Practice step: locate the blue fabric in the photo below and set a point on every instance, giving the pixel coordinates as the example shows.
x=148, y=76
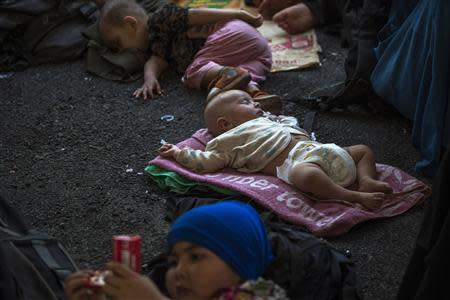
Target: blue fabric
x=413, y=73
x=231, y=230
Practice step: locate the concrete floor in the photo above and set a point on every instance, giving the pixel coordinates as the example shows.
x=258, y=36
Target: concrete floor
x=67, y=138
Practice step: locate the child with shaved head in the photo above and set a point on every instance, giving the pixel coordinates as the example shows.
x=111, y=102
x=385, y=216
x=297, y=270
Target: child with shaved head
x=250, y=140
x=216, y=49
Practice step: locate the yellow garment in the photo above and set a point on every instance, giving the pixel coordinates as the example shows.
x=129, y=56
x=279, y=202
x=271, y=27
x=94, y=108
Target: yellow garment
x=248, y=147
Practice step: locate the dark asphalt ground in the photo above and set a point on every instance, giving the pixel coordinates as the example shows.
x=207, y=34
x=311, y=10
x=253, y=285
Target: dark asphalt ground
x=67, y=138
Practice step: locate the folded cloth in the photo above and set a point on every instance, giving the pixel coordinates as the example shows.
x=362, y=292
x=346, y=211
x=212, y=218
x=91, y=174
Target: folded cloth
x=173, y=182
x=323, y=218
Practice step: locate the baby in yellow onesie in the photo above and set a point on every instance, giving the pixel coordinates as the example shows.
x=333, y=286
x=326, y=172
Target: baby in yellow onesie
x=249, y=140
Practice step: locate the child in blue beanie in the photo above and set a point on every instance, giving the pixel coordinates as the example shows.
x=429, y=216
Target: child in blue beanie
x=217, y=251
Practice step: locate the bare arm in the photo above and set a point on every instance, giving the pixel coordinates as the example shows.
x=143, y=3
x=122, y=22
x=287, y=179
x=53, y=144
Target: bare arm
x=202, y=16
x=152, y=69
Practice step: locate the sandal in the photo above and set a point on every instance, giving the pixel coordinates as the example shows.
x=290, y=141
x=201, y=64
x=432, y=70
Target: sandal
x=229, y=78
x=268, y=102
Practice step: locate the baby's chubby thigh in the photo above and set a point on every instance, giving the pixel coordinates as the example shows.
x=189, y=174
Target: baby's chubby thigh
x=335, y=161
x=311, y=158
x=293, y=165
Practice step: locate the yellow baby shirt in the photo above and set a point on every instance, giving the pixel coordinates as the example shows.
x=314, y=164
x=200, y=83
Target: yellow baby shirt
x=248, y=147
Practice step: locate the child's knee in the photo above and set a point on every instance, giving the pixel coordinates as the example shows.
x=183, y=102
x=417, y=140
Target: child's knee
x=366, y=151
x=357, y=151
x=364, y=148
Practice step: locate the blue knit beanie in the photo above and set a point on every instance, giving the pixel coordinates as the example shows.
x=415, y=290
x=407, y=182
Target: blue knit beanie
x=231, y=230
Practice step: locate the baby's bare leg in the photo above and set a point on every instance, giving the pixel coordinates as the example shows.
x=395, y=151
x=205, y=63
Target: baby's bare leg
x=309, y=177
x=366, y=170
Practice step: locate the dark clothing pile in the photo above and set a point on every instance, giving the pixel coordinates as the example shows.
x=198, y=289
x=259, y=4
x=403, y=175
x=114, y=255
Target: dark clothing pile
x=428, y=273
x=34, y=32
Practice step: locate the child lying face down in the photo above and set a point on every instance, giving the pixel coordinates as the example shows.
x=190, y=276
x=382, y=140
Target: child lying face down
x=216, y=49
x=250, y=141
x=214, y=252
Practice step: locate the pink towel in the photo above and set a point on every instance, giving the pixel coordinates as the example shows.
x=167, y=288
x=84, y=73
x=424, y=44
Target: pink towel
x=322, y=218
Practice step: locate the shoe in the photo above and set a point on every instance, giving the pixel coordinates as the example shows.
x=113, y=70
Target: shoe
x=229, y=78
x=268, y=102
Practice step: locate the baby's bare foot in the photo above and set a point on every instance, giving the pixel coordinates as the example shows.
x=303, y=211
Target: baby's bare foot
x=295, y=19
x=370, y=201
x=370, y=185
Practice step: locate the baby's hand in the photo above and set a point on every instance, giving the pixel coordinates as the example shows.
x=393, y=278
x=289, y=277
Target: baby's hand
x=254, y=20
x=149, y=89
x=169, y=151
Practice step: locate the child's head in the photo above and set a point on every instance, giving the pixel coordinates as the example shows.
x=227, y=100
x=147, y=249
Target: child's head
x=230, y=109
x=213, y=247
x=123, y=24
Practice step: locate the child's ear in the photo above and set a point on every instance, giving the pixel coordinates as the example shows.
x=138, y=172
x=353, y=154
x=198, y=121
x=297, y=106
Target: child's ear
x=223, y=124
x=130, y=21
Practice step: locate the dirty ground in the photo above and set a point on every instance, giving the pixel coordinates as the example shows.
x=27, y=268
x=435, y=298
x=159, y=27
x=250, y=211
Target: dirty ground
x=73, y=148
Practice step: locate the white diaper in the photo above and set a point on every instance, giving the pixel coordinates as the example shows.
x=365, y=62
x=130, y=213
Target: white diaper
x=335, y=161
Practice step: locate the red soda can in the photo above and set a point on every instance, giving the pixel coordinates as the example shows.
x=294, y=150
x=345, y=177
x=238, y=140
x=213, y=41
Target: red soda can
x=127, y=251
